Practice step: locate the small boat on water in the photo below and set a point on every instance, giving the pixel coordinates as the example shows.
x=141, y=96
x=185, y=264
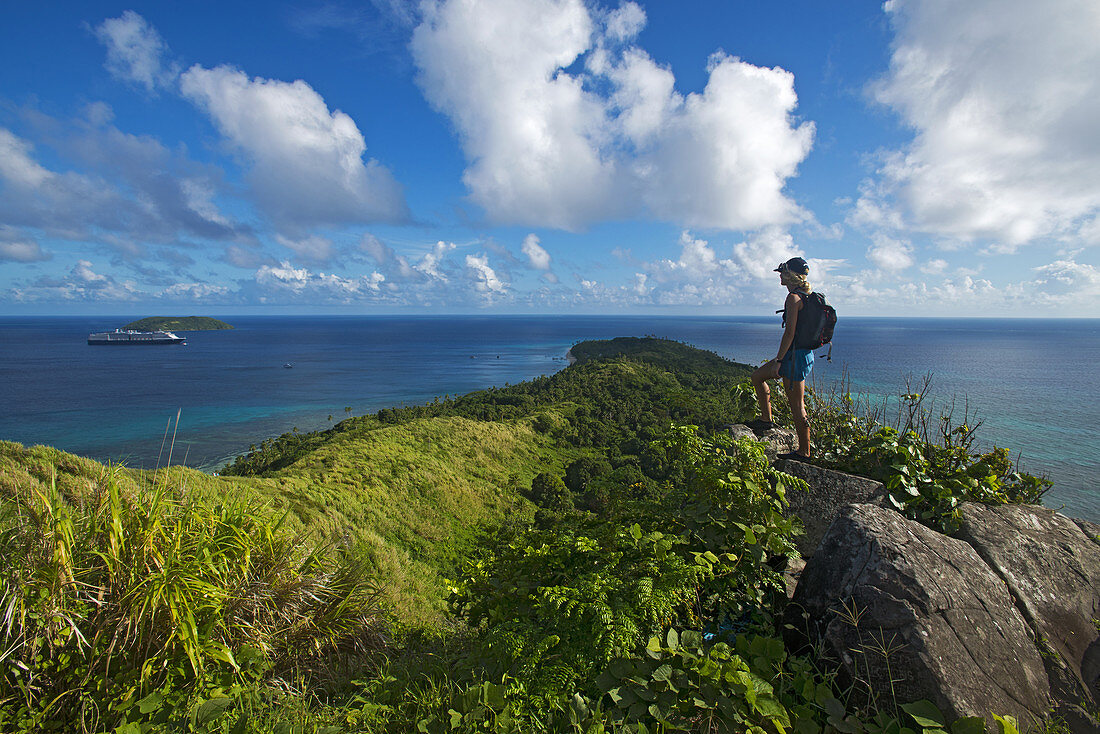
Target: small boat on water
x=288, y=365
x=128, y=336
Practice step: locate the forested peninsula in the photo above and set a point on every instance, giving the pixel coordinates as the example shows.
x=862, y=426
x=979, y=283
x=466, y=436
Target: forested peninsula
x=588, y=551
x=177, y=323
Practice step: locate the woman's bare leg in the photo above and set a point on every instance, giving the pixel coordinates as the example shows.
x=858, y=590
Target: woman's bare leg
x=760, y=378
x=796, y=392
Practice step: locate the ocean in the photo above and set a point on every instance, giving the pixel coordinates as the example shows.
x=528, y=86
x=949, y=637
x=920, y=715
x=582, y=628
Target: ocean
x=1035, y=384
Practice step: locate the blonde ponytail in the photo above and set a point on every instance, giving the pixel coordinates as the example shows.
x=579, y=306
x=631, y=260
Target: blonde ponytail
x=800, y=282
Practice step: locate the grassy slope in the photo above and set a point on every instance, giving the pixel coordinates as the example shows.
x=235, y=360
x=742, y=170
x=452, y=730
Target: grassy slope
x=413, y=495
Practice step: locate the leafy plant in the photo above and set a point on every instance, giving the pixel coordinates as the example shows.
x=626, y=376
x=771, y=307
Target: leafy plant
x=553, y=606
x=927, y=482
x=729, y=511
x=683, y=684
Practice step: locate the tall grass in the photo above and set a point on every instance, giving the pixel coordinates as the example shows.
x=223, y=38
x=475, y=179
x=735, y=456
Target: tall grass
x=121, y=604
x=914, y=409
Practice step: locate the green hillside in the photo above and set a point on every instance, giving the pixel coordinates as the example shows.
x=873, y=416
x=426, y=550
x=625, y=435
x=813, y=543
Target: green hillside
x=541, y=557
x=177, y=323
x=415, y=484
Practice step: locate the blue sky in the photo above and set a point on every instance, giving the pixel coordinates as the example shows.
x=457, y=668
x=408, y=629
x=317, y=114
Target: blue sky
x=541, y=156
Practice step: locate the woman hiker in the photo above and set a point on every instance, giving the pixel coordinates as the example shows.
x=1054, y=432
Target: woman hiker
x=792, y=364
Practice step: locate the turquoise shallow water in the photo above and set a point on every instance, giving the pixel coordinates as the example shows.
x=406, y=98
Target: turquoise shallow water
x=1035, y=383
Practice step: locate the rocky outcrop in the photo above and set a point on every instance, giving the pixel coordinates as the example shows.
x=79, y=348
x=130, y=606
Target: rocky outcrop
x=776, y=440
x=829, y=491
x=1002, y=618
x=1052, y=570
x=909, y=613
x=1091, y=529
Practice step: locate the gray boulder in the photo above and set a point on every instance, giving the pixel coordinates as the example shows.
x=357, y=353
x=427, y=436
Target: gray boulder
x=1052, y=569
x=828, y=491
x=911, y=614
x=776, y=440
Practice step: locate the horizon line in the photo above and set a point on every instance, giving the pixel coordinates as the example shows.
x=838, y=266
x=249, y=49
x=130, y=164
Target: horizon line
x=541, y=315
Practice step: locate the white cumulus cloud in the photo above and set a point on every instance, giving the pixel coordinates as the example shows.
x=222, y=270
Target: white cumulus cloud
x=284, y=274
x=890, y=254
x=764, y=250
x=697, y=260
x=197, y=292
x=934, y=266
x=609, y=138
x=699, y=276
x=306, y=161
x=17, y=164
x=1068, y=277
x=286, y=283
x=81, y=283
x=430, y=263
x=386, y=257
x=1003, y=96
x=67, y=204
x=538, y=257
x=720, y=159
x=131, y=190
x=536, y=254
x=135, y=51
x=486, y=280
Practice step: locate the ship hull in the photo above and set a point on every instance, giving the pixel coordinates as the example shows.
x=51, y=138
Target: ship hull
x=135, y=343
x=134, y=338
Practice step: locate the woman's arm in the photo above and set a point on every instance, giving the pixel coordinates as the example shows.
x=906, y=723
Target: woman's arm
x=791, y=307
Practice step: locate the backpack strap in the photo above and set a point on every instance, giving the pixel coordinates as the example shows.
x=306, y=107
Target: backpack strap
x=802, y=297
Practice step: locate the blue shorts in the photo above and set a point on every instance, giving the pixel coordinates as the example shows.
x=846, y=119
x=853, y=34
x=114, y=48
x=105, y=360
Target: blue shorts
x=797, y=364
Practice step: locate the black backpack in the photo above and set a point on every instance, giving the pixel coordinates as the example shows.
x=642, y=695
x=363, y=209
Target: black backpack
x=816, y=322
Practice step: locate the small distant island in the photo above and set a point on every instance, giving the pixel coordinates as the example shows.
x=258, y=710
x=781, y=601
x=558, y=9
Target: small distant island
x=177, y=323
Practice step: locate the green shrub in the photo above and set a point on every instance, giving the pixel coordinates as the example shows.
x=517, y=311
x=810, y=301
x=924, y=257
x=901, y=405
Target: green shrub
x=729, y=510
x=681, y=683
x=928, y=482
x=553, y=606
x=549, y=492
x=583, y=470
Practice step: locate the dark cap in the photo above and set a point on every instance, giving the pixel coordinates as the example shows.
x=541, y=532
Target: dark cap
x=795, y=265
